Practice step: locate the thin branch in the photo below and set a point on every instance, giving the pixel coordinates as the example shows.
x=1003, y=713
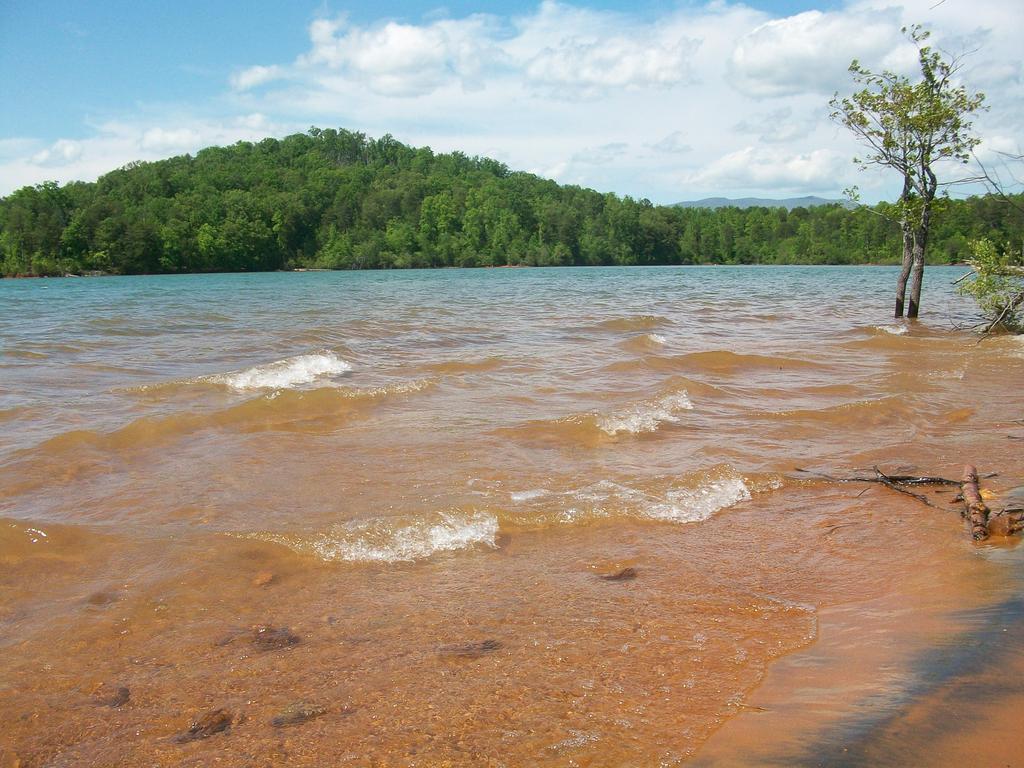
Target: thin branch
x=1010, y=306
x=963, y=277
x=889, y=483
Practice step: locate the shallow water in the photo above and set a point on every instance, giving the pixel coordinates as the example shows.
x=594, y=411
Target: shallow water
x=425, y=475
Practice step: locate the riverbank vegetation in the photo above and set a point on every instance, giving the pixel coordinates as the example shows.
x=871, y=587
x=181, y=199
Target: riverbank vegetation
x=335, y=199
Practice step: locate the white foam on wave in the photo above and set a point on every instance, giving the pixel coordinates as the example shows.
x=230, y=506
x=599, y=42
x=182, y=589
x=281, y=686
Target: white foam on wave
x=393, y=540
x=401, y=388
x=535, y=493
x=285, y=374
x=895, y=330
x=656, y=338
x=606, y=499
x=693, y=505
x=646, y=416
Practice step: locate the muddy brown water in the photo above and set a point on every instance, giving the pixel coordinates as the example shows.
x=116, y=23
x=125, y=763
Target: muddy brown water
x=510, y=517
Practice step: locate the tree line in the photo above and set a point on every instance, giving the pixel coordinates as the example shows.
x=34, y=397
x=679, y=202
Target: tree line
x=336, y=199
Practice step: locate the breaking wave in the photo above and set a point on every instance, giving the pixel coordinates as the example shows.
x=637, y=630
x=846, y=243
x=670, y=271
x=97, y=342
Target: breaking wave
x=646, y=342
x=284, y=374
x=410, y=538
x=646, y=416
x=393, y=540
x=693, y=501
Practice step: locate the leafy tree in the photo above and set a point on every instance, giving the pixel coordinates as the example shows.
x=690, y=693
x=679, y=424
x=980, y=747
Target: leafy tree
x=997, y=285
x=912, y=126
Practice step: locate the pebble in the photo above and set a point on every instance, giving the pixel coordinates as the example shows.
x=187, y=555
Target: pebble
x=263, y=579
x=119, y=697
x=471, y=650
x=214, y=721
x=295, y=714
x=273, y=638
x=626, y=574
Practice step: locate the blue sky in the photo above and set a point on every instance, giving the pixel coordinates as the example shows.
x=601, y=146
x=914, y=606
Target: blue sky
x=658, y=99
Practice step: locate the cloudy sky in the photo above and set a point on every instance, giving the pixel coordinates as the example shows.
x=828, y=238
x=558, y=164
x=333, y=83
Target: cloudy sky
x=664, y=99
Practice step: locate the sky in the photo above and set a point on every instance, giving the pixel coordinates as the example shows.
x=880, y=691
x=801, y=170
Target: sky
x=667, y=100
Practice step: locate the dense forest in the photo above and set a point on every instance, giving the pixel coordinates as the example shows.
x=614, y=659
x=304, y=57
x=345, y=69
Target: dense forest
x=339, y=200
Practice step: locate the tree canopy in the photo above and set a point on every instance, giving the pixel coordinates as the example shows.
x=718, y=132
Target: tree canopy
x=336, y=199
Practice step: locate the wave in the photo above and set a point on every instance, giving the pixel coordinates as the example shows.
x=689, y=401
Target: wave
x=892, y=330
x=882, y=411
x=724, y=361
x=24, y=354
x=644, y=343
x=646, y=416
x=392, y=540
x=693, y=500
x=284, y=374
x=693, y=505
x=454, y=367
x=414, y=538
x=315, y=411
x=10, y=414
x=634, y=323
x=717, y=362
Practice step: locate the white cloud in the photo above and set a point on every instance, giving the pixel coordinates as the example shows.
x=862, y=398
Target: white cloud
x=164, y=140
x=778, y=126
x=811, y=51
x=61, y=152
x=673, y=144
x=116, y=143
x=692, y=101
x=763, y=168
x=255, y=76
x=401, y=59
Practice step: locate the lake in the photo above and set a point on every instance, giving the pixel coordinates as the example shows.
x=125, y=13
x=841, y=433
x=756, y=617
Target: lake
x=497, y=517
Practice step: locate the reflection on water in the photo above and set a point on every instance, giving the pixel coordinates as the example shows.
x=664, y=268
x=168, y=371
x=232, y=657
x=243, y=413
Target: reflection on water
x=421, y=480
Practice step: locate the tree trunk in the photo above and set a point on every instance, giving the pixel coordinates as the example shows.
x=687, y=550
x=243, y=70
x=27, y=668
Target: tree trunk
x=917, y=273
x=908, y=256
x=920, y=242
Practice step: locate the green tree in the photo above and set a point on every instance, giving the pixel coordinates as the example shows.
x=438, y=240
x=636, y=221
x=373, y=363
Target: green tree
x=997, y=285
x=911, y=126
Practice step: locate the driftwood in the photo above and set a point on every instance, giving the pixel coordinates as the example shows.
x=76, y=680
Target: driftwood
x=983, y=523
x=975, y=509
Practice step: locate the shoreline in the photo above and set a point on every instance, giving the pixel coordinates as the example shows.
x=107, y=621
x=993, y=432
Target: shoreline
x=484, y=268
x=928, y=698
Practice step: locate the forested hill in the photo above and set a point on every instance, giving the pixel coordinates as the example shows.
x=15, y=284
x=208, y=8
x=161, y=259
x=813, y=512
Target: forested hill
x=337, y=199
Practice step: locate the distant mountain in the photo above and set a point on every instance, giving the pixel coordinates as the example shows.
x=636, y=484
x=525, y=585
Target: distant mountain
x=788, y=203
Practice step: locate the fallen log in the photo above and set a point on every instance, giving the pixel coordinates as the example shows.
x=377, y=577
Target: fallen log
x=975, y=509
